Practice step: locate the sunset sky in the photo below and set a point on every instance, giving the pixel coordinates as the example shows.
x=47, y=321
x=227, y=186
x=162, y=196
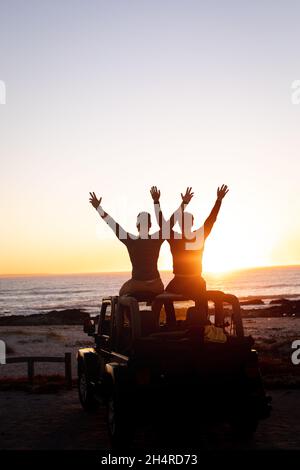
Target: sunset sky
x=117, y=96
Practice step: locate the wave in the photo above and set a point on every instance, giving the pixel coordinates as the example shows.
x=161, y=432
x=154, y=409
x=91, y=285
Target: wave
x=271, y=286
x=40, y=294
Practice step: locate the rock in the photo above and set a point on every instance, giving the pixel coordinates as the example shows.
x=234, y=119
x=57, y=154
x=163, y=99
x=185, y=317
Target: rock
x=274, y=311
x=252, y=302
x=280, y=301
x=54, y=317
x=290, y=309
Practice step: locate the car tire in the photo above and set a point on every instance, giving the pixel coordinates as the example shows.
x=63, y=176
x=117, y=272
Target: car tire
x=85, y=393
x=119, y=422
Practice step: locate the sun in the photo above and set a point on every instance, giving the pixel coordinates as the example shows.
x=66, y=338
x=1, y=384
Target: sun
x=223, y=254
x=220, y=257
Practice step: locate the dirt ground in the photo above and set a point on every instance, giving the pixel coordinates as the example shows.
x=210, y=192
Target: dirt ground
x=273, y=339
x=56, y=421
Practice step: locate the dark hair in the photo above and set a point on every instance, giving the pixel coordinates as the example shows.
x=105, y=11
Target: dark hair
x=142, y=216
x=186, y=217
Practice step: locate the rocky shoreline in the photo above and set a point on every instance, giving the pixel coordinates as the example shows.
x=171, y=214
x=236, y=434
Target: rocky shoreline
x=54, y=317
x=276, y=308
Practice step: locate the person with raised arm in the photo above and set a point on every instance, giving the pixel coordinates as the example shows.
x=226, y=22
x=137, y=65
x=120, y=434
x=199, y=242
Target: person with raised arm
x=143, y=249
x=187, y=250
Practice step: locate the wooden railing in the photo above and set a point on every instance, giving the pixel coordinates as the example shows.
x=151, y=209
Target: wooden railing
x=67, y=360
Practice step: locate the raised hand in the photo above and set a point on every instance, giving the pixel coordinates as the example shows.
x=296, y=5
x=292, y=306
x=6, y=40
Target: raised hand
x=94, y=201
x=222, y=191
x=187, y=196
x=155, y=193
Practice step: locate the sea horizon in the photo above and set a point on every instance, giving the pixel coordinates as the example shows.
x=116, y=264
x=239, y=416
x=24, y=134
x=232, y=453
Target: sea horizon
x=128, y=271
x=30, y=294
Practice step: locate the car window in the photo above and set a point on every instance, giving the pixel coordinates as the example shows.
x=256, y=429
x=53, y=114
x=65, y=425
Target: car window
x=108, y=312
x=126, y=332
x=106, y=322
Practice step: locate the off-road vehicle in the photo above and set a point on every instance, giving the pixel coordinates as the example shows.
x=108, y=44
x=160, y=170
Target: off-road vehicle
x=150, y=362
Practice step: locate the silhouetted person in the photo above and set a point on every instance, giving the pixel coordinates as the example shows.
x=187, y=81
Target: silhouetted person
x=187, y=250
x=143, y=249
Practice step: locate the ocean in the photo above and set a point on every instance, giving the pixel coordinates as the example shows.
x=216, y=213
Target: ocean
x=36, y=294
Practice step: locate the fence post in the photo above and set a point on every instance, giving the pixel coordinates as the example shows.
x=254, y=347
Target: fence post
x=68, y=370
x=30, y=365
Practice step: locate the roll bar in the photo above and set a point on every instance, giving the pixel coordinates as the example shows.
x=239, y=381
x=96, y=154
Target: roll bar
x=219, y=298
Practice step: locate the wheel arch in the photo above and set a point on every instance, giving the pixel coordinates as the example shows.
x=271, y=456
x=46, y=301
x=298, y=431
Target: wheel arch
x=117, y=374
x=88, y=362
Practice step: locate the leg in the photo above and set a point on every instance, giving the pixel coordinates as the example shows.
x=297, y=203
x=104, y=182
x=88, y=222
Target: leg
x=132, y=286
x=202, y=307
x=200, y=298
x=170, y=313
x=128, y=287
x=156, y=308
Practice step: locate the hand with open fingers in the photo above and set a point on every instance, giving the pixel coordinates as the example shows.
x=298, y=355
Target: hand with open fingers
x=155, y=193
x=222, y=191
x=94, y=200
x=187, y=196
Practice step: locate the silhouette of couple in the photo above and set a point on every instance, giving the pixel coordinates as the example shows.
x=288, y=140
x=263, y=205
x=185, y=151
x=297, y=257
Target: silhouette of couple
x=186, y=247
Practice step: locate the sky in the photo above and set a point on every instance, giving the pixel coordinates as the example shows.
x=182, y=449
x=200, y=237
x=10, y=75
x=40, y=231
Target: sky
x=117, y=96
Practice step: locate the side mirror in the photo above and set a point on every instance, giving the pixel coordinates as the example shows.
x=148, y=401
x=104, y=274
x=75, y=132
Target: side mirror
x=89, y=327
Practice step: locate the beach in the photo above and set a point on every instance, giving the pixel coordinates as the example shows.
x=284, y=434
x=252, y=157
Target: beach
x=273, y=340
x=272, y=319
x=43, y=315
x=25, y=410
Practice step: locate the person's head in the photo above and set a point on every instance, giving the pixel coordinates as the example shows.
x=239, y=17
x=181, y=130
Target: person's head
x=186, y=222
x=143, y=222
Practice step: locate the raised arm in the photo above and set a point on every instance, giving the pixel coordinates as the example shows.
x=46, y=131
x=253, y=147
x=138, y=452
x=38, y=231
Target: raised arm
x=115, y=226
x=209, y=223
x=167, y=225
x=155, y=194
x=185, y=199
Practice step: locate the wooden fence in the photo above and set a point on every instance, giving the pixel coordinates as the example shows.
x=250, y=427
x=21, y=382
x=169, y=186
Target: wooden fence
x=67, y=360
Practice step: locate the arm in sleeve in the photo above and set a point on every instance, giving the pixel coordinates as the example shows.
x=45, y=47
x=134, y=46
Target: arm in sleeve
x=120, y=233
x=166, y=226
x=209, y=223
x=177, y=215
x=159, y=215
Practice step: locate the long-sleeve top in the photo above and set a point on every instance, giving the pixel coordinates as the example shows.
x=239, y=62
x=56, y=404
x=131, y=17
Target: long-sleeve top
x=187, y=251
x=143, y=250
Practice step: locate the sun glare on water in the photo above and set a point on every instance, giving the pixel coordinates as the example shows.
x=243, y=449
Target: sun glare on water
x=217, y=260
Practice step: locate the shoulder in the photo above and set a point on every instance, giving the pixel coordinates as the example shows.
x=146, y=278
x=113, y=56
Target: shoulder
x=175, y=238
x=130, y=238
